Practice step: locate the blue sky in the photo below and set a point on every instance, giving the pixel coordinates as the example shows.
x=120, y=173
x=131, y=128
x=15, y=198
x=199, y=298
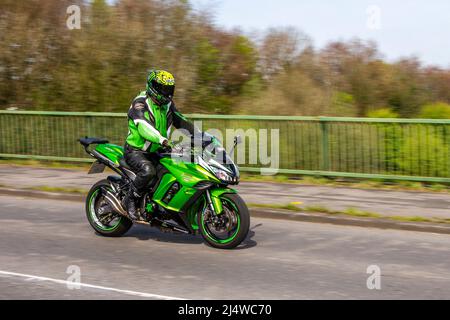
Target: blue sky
x=406, y=28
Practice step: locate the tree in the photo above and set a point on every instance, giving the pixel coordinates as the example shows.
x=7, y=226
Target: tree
x=46, y=66
x=279, y=49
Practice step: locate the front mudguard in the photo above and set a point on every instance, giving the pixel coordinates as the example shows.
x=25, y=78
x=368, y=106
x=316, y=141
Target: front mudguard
x=215, y=198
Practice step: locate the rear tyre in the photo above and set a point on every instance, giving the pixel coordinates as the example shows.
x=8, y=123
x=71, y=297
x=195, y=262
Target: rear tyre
x=233, y=227
x=101, y=216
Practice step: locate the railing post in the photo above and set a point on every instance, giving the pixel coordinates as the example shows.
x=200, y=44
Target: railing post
x=325, y=146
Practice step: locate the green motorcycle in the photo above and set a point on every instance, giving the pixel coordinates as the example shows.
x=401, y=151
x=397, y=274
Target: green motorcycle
x=190, y=193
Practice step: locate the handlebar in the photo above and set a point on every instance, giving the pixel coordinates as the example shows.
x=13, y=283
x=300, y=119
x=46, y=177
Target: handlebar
x=190, y=148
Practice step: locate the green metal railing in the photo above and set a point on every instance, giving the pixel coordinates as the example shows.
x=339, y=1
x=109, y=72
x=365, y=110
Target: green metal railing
x=397, y=149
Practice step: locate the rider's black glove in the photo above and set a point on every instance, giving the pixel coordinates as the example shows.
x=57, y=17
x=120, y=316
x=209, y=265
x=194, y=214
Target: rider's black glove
x=210, y=141
x=166, y=146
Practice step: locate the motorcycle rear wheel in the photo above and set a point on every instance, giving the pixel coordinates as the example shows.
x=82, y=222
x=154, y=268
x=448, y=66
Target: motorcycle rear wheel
x=95, y=202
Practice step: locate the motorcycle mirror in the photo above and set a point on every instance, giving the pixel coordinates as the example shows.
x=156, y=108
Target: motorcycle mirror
x=237, y=140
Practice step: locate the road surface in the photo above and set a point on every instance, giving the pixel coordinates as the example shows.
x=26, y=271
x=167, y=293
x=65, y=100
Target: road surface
x=40, y=239
x=385, y=202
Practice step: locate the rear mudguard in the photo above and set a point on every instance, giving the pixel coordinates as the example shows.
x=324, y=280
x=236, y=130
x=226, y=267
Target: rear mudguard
x=215, y=198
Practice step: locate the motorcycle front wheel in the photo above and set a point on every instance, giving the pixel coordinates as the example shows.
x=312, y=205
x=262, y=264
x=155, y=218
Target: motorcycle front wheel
x=228, y=230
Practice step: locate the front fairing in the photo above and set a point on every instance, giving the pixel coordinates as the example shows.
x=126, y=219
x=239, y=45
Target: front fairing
x=188, y=174
x=216, y=160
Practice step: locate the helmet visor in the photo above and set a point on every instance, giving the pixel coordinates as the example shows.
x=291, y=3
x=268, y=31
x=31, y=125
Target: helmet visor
x=165, y=90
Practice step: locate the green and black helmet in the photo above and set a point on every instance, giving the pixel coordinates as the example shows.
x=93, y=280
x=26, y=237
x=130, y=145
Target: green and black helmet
x=161, y=86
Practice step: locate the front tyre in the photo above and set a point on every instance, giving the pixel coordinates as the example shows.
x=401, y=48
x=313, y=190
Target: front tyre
x=228, y=230
x=100, y=215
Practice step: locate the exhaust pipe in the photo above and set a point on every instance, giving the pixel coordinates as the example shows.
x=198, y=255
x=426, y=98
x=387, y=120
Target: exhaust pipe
x=118, y=208
x=114, y=202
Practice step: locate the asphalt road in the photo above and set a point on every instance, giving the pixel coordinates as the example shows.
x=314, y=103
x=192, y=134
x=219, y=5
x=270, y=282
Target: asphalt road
x=279, y=260
x=385, y=202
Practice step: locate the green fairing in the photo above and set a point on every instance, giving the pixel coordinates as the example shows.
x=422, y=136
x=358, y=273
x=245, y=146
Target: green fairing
x=188, y=174
x=180, y=199
x=111, y=151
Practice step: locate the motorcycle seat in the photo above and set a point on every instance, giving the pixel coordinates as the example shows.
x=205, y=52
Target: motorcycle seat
x=88, y=141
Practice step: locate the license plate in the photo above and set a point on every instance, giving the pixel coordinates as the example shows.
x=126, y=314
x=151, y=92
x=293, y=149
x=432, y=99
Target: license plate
x=96, y=168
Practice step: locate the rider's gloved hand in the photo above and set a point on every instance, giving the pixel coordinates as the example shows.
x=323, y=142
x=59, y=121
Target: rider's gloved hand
x=216, y=142
x=166, y=146
x=210, y=140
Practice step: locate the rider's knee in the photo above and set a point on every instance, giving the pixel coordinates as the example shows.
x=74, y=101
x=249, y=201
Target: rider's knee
x=147, y=172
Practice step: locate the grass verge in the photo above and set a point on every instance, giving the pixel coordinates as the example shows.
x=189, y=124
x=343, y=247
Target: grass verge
x=353, y=212
x=59, y=189
x=350, y=183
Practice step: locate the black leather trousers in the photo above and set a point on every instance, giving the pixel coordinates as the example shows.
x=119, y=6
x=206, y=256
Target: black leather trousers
x=142, y=164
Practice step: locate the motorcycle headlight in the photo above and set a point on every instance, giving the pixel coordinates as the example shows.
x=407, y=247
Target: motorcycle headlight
x=222, y=175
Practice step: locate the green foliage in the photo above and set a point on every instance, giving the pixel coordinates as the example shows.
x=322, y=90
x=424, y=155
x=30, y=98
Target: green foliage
x=382, y=113
x=436, y=111
x=429, y=152
x=343, y=104
x=343, y=98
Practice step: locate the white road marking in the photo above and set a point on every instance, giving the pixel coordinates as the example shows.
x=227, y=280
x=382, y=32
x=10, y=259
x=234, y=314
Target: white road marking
x=28, y=277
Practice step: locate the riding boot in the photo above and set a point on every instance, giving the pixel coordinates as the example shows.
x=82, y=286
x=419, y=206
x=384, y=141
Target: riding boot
x=131, y=203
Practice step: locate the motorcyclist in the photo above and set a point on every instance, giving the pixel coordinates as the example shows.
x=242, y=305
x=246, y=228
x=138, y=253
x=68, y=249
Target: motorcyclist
x=150, y=118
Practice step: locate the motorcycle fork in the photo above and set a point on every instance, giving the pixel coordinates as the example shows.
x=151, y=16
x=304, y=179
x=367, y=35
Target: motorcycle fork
x=210, y=203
